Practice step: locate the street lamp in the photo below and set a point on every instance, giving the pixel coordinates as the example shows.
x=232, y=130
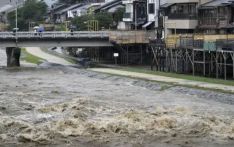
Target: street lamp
x=16, y=15
x=136, y=4
x=16, y=18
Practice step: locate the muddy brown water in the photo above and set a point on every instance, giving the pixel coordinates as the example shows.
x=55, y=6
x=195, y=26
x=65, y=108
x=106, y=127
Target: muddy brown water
x=54, y=105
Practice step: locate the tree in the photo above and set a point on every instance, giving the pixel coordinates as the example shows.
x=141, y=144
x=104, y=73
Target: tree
x=104, y=19
x=118, y=15
x=32, y=11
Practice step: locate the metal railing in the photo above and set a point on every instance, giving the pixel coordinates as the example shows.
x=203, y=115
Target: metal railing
x=113, y=36
x=80, y=34
x=182, y=16
x=223, y=44
x=199, y=41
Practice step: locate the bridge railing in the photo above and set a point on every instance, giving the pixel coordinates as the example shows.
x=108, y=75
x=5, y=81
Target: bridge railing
x=80, y=34
x=120, y=37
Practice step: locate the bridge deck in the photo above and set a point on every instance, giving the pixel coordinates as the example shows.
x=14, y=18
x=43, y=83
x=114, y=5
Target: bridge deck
x=51, y=39
x=79, y=38
x=52, y=35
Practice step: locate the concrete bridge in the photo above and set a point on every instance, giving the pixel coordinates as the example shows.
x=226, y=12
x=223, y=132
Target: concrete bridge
x=52, y=39
x=13, y=41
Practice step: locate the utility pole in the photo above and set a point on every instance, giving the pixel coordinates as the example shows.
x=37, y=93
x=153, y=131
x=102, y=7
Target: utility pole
x=16, y=18
x=135, y=16
x=159, y=31
x=16, y=15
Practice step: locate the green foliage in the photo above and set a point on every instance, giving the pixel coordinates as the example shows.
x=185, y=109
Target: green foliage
x=30, y=58
x=118, y=15
x=32, y=11
x=81, y=22
x=104, y=19
x=60, y=27
x=179, y=76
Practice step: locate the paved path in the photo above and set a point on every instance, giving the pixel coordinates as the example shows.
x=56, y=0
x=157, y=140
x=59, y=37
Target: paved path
x=3, y=57
x=166, y=79
x=36, y=51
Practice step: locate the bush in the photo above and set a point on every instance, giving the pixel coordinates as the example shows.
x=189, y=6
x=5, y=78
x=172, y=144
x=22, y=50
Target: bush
x=104, y=19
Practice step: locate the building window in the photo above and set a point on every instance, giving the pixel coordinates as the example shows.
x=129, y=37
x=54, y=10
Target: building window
x=151, y=8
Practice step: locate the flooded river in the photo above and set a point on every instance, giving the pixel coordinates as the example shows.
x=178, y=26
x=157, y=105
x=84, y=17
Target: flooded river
x=54, y=105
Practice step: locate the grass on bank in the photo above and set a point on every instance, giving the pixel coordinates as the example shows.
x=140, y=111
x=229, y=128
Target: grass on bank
x=179, y=76
x=65, y=57
x=30, y=58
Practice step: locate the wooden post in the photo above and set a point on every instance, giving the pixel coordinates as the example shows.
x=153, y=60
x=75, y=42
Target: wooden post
x=232, y=54
x=193, y=63
x=176, y=56
x=204, y=62
x=141, y=55
x=225, y=65
x=127, y=54
x=216, y=60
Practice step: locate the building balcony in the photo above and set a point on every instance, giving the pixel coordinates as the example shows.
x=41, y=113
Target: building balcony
x=182, y=16
x=214, y=23
x=180, y=24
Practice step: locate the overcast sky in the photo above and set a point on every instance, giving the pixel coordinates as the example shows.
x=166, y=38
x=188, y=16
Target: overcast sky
x=49, y=2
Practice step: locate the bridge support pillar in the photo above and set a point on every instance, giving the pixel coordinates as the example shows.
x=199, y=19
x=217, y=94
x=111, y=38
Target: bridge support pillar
x=13, y=56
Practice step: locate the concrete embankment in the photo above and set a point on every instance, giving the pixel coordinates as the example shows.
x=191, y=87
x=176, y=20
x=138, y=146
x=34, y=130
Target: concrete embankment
x=36, y=51
x=170, y=80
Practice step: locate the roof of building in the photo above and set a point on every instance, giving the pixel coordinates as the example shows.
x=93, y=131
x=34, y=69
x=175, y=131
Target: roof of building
x=165, y=5
x=109, y=5
x=69, y=8
x=217, y=3
x=7, y=5
x=82, y=8
x=5, y=8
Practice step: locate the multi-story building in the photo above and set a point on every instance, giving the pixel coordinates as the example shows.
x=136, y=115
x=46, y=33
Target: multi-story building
x=136, y=13
x=180, y=16
x=152, y=14
x=141, y=14
x=217, y=17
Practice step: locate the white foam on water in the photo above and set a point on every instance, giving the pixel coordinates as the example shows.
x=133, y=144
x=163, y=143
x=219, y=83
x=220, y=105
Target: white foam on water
x=177, y=121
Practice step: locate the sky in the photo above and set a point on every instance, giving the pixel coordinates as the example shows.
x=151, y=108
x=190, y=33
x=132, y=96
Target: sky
x=5, y=4
x=50, y=2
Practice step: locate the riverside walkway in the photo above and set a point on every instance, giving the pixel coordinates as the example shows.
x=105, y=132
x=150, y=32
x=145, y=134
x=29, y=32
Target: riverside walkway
x=164, y=79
